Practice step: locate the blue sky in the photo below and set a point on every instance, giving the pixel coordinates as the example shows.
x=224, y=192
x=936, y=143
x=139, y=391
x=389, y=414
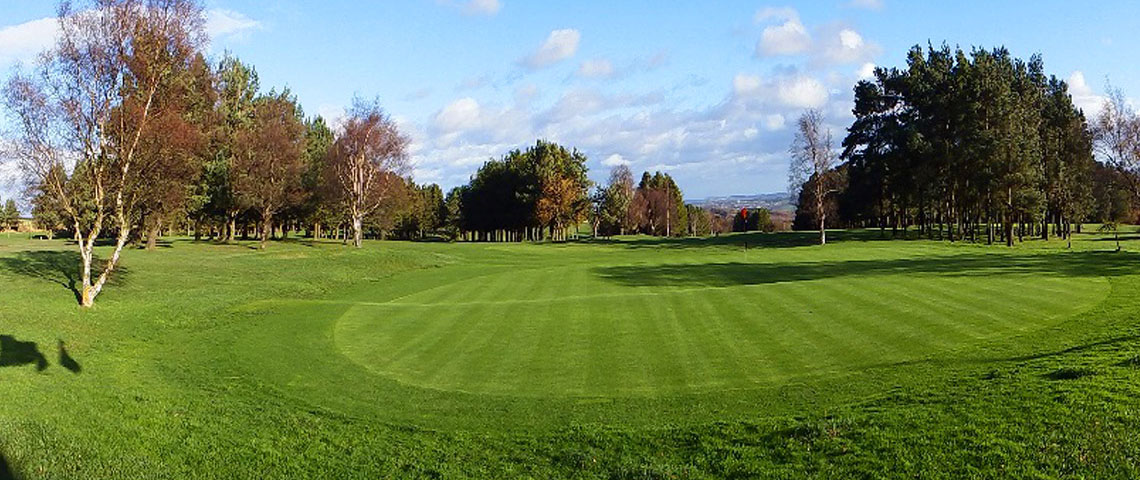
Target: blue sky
x=707, y=91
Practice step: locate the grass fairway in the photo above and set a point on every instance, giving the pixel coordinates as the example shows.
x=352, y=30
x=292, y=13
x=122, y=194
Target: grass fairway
x=637, y=358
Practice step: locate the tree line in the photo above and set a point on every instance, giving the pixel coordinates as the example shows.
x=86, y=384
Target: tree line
x=543, y=192
x=124, y=129
x=971, y=145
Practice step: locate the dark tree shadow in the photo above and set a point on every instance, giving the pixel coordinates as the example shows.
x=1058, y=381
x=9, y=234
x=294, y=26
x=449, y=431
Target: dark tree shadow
x=6, y=472
x=66, y=361
x=14, y=353
x=59, y=267
x=759, y=240
x=1075, y=264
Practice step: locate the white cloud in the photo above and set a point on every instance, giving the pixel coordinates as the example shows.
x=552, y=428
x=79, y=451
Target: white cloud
x=598, y=68
x=866, y=71
x=796, y=91
x=774, y=122
x=801, y=92
x=784, y=34
x=787, y=38
x=743, y=84
x=222, y=23
x=24, y=41
x=844, y=46
x=1083, y=96
x=460, y=115
x=868, y=4
x=559, y=45
x=482, y=7
x=614, y=160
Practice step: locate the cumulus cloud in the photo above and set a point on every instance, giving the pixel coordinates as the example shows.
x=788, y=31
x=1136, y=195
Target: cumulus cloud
x=794, y=91
x=598, y=68
x=459, y=115
x=1083, y=96
x=801, y=92
x=222, y=23
x=747, y=131
x=844, y=46
x=614, y=161
x=559, y=45
x=866, y=71
x=24, y=41
x=787, y=37
x=784, y=34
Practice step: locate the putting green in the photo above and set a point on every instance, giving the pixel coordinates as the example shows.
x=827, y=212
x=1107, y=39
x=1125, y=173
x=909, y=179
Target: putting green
x=565, y=328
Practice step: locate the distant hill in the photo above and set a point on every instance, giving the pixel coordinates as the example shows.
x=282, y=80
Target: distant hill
x=776, y=202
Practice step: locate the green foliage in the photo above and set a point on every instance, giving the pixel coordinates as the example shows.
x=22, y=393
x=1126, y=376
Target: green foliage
x=659, y=206
x=9, y=215
x=966, y=139
x=544, y=186
x=752, y=220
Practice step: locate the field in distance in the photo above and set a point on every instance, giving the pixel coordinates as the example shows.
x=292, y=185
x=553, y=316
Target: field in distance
x=743, y=355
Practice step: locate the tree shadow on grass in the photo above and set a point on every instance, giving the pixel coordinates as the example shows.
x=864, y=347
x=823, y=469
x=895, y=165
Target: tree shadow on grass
x=727, y=274
x=59, y=267
x=756, y=239
x=14, y=353
x=66, y=361
x=6, y=472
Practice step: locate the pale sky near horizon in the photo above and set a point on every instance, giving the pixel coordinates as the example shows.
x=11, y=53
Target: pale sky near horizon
x=707, y=91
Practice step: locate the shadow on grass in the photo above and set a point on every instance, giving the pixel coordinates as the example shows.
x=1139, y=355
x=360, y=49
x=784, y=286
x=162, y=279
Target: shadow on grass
x=1076, y=264
x=758, y=240
x=14, y=353
x=1069, y=373
x=66, y=361
x=6, y=472
x=59, y=267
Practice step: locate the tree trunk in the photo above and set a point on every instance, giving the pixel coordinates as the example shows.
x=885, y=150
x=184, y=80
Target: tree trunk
x=357, y=231
x=266, y=228
x=152, y=234
x=823, y=229
x=91, y=290
x=231, y=227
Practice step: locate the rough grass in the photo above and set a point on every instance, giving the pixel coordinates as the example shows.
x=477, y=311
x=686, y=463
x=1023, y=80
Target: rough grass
x=638, y=358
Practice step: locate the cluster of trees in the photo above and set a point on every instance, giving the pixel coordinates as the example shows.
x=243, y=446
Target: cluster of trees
x=754, y=220
x=531, y=194
x=124, y=129
x=654, y=206
x=960, y=144
x=543, y=192
x=9, y=215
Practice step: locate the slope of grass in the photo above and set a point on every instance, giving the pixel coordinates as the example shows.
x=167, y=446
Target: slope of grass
x=638, y=358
